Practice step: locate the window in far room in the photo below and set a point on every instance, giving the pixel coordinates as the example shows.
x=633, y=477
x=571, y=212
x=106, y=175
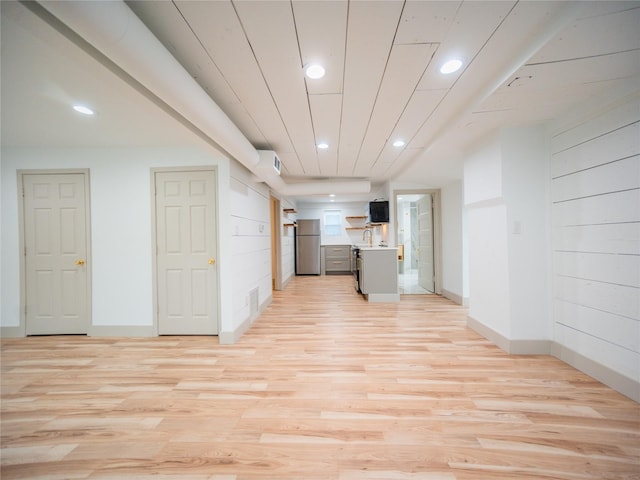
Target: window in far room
x=332, y=222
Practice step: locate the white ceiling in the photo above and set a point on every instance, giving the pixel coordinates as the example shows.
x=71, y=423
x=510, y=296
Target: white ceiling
x=44, y=73
x=525, y=63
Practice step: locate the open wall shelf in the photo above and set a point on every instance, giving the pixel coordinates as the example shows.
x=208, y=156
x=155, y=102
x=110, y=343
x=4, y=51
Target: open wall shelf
x=364, y=227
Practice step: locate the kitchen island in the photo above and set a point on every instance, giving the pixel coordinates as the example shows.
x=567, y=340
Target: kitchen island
x=378, y=273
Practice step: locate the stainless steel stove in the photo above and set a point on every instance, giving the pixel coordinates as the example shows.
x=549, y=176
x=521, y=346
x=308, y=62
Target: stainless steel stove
x=355, y=265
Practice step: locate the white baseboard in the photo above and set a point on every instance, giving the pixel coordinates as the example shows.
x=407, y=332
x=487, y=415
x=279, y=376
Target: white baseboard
x=515, y=347
x=621, y=383
x=625, y=385
x=232, y=337
x=454, y=297
x=12, y=332
x=494, y=337
x=383, y=297
x=96, y=331
x=122, y=331
x=285, y=282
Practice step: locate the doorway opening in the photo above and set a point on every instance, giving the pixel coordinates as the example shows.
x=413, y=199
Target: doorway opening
x=417, y=234
x=276, y=273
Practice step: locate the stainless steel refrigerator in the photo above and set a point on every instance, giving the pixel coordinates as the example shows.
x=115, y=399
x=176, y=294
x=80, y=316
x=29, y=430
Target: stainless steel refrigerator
x=308, y=247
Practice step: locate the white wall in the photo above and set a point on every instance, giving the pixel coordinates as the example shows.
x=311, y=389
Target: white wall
x=121, y=231
x=487, y=229
x=489, y=288
x=452, y=242
x=525, y=188
x=554, y=246
x=347, y=209
x=506, y=199
x=250, y=259
x=595, y=205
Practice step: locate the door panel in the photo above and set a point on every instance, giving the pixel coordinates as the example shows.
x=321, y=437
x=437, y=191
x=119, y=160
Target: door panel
x=56, y=245
x=187, y=281
x=425, y=243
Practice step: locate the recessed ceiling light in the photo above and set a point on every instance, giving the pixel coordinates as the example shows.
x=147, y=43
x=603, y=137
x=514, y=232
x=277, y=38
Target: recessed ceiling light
x=398, y=143
x=332, y=195
x=83, y=109
x=323, y=145
x=451, y=66
x=314, y=71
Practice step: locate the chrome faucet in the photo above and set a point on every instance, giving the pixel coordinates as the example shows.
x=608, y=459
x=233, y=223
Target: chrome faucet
x=364, y=235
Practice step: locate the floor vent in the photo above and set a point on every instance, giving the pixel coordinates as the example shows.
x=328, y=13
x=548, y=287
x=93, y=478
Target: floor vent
x=253, y=302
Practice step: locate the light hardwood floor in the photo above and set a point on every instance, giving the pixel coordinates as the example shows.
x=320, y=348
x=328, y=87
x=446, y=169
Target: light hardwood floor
x=324, y=386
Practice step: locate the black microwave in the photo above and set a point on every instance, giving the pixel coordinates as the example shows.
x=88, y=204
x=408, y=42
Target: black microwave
x=379, y=211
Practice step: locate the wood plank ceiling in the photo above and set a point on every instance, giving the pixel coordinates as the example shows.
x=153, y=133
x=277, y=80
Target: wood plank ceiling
x=382, y=81
x=524, y=62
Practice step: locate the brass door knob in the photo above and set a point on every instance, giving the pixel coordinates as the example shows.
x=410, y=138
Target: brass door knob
x=79, y=262
x=211, y=261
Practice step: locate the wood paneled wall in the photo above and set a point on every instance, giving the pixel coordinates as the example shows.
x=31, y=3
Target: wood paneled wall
x=595, y=197
x=251, y=245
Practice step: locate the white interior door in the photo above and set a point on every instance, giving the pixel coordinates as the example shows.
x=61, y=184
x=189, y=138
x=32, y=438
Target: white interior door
x=186, y=253
x=426, y=277
x=56, y=241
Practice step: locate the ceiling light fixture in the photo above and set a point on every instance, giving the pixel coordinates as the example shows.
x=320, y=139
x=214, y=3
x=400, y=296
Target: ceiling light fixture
x=451, y=66
x=398, y=143
x=314, y=71
x=323, y=145
x=82, y=109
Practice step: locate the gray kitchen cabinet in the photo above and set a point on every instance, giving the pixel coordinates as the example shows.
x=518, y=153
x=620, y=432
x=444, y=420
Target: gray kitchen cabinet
x=378, y=274
x=337, y=259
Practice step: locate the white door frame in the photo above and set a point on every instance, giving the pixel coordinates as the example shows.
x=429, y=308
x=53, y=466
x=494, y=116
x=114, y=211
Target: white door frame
x=437, y=229
x=154, y=245
x=22, y=328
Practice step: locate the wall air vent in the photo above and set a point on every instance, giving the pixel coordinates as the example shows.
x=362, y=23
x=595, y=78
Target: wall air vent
x=276, y=164
x=254, y=302
x=269, y=162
